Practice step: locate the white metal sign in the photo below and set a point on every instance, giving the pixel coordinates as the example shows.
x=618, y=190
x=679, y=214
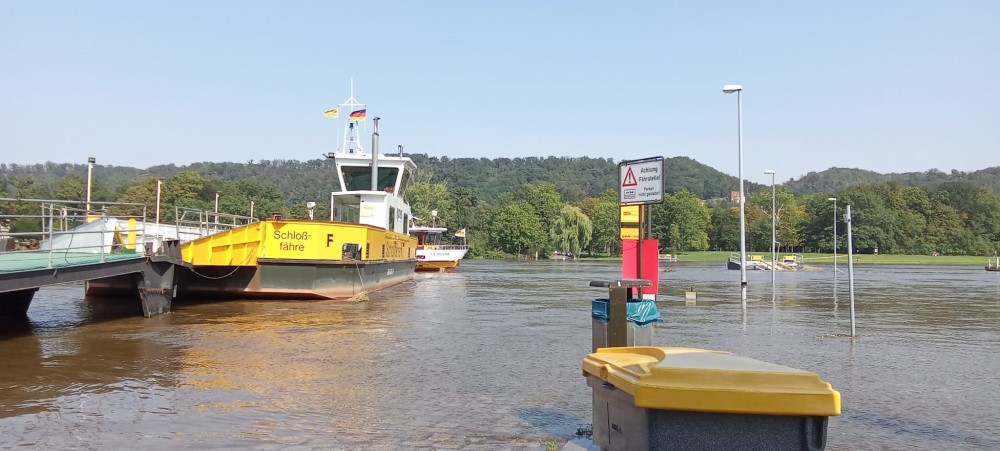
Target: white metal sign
x=641, y=181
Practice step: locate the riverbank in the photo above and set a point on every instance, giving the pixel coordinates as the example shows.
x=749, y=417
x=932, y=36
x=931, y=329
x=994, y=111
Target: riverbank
x=827, y=259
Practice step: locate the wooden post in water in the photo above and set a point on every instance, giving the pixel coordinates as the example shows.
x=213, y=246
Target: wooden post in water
x=850, y=264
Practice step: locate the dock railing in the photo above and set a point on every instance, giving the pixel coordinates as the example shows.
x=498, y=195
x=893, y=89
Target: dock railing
x=44, y=230
x=47, y=228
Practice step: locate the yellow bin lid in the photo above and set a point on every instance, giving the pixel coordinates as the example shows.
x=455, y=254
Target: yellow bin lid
x=674, y=378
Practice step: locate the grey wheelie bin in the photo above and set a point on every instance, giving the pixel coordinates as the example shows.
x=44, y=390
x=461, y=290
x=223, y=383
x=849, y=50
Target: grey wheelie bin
x=694, y=399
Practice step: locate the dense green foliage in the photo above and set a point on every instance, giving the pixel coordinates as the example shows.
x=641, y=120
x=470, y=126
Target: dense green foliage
x=528, y=205
x=838, y=179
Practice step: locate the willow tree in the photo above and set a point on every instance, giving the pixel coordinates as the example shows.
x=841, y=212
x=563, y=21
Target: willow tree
x=571, y=230
x=603, y=213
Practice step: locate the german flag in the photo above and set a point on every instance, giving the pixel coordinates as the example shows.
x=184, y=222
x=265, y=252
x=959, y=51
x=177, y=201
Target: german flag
x=358, y=115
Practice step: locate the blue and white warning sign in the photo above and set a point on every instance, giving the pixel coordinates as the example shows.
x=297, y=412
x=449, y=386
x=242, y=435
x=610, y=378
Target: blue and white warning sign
x=641, y=181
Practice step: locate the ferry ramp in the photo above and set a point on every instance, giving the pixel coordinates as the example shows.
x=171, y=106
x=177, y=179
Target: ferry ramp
x=45, y=242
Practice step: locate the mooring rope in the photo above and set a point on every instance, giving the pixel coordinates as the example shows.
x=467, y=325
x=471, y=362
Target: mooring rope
x=363, y=295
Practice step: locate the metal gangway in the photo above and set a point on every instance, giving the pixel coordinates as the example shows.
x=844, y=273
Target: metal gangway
x=47, y=242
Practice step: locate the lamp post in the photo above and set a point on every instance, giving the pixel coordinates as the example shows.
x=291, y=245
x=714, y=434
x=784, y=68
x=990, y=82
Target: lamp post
x=774, y=205
x=738, y=89
x=434, y=216
x=159, y=184
x=834, y=199
x=90, y=173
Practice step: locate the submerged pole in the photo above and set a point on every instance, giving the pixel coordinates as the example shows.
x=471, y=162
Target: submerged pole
x=850, y=264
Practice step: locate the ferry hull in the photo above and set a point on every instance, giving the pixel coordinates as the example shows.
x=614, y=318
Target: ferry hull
x=293, y=279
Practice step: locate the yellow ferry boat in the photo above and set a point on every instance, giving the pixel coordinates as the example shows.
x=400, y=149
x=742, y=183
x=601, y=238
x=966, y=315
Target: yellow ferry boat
x=363, y=247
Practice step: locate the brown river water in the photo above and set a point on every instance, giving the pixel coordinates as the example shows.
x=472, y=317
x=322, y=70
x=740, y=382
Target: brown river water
x=488, y=357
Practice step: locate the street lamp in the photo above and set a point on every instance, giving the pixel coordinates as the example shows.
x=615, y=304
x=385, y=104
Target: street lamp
x=774, y=204
x=834, y=199
x=729, y=89
x=434, y=216
x=90, y=173
x=159, y=184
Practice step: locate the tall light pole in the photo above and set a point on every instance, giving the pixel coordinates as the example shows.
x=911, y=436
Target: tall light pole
x=159, y=183
x=90, y=173
x=434, y=217
x=774, y=204
x=738, y=89
x=834, y=199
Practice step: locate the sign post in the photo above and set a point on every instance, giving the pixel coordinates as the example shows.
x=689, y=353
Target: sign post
x=640, y=183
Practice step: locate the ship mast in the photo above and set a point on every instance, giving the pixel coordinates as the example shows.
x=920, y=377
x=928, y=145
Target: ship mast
x=351, y=144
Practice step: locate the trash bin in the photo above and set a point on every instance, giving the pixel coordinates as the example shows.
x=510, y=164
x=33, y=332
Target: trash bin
x=694, y=399
x=641, y=315
x=634, y=327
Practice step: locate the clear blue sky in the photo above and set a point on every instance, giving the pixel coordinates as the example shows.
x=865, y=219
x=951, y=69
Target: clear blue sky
x=890, y=86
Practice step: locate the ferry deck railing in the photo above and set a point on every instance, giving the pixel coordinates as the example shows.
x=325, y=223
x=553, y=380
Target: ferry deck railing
x=193, y=223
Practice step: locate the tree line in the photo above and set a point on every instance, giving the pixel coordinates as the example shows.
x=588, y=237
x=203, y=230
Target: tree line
x=956, y=218
x=528, y=214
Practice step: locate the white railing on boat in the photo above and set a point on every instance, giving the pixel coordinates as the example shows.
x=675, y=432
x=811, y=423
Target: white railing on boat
x=445, y=247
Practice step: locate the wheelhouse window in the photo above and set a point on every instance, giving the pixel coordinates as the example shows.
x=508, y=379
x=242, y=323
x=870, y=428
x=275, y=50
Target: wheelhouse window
x=359, y=178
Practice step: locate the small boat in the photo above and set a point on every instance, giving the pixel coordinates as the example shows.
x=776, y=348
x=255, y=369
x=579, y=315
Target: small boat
x=561, y=256
x=993, y=264
x=433, y=254
x=363, y=247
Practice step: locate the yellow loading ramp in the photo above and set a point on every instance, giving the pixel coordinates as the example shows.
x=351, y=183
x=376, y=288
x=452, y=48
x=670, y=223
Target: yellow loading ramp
x=687, y=398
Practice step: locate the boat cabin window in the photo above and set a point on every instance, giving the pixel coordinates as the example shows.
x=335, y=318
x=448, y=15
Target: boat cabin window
x=346, y=211
x=404, y=184
x=392, y=218
x=359, y=178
